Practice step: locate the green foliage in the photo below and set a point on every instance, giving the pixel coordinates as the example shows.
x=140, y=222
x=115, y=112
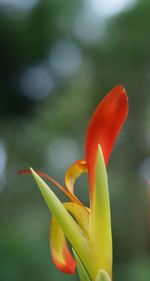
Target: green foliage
x=81, y=269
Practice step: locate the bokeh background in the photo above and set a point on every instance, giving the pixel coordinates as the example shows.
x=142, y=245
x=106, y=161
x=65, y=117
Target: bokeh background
x=57, y=60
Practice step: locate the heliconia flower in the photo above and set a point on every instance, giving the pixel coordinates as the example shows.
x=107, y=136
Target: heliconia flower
x=87, y=229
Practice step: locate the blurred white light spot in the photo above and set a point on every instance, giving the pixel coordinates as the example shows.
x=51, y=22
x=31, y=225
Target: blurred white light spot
x=62, y=152
x=91, y=22
x=109, y=7
x=89, y=28
x=65, y=57
x=37, y=83
x=144, y=170
x=3, y=161
x=21, y=5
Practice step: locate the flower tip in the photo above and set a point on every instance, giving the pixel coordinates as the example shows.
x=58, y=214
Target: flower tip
x=121, y=90
x=120, y=87
x=68, y=267
x=119, y=95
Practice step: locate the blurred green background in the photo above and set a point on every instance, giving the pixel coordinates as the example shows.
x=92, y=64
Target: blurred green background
x=57, y=60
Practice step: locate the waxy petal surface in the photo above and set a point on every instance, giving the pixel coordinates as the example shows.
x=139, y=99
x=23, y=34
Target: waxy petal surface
x=60, y=253
x=104, y=127
x=74, y=171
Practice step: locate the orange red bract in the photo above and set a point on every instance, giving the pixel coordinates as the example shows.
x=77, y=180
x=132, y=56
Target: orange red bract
x=104, y=127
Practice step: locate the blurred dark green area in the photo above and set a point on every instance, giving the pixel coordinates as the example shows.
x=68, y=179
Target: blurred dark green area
x=57, y=60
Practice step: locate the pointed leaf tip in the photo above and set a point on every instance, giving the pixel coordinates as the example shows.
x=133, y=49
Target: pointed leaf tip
x=102, y=276
x=32, y=171
x=71, y=196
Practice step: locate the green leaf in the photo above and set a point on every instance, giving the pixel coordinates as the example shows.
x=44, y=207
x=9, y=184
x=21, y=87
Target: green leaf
x=71, y=229
x=84, y=276
x=102, y=276
x=100, y=221
x=80, y=214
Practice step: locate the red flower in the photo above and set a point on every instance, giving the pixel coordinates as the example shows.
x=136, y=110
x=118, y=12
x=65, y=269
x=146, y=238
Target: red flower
x=90, y=232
